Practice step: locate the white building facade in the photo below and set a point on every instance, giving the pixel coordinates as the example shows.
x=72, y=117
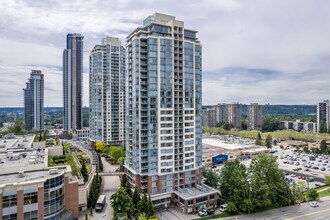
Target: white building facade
x=163, y=108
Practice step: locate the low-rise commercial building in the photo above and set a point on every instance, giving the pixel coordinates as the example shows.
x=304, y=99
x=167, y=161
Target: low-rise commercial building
x=29, y=189
x=299, y=126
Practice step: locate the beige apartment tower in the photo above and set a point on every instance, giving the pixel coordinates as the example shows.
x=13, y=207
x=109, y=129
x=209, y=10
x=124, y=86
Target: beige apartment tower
x=234, y=115
x=254, y=117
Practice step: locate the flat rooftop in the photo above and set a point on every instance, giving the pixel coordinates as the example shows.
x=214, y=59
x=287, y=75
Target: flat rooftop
x=17, y=153
x=228, y=143
x=195, y=192
x=31, y=176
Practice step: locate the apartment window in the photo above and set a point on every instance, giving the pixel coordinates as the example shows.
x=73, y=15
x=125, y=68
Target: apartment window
x=10, y=217
x=31, y=215
x=8, y=201
x=30, y=198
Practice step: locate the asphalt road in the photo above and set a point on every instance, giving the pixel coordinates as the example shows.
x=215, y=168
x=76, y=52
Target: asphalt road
x=303, y=212
x=111, y=184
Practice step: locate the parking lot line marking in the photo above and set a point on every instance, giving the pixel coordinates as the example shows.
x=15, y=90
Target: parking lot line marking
x=308, y=214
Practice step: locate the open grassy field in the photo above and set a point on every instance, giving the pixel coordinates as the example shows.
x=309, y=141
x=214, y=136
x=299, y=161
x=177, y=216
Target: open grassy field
x=279, y=135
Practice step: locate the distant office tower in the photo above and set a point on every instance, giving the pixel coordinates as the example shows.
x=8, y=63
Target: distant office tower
x=323, y=116
x=234, y=115
x=222, y=113
x=163, y=112
x=254, y=117
x=73, y=82
x=210, y=118
x=34, y=101
x=107, y=92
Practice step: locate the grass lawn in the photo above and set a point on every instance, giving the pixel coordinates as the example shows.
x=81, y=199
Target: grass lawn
x=324, y=193
x=80, y=154
x=88, y=167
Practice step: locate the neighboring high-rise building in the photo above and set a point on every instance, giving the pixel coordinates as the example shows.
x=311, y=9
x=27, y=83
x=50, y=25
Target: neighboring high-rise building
x=210, y=118
x=323, y=116
x=254, y=117
x=73, y=82
x=164, y=113
x=34, y=101
x=107, y=92
x=234, y=115
x=222, y=113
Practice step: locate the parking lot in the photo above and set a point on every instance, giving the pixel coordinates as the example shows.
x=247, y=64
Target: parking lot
x=316, y=166
x=298, y=167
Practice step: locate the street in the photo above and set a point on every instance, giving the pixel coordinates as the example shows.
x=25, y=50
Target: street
x=297, y=212
x=111, y=184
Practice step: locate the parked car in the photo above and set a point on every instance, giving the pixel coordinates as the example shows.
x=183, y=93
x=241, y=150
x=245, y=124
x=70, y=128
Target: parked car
x=214, y=166
x=210, y=211
x=310, y=179
x=202, y=212
x=314, y=204
x=223, y=208
x=323, y=169
x=317, y=185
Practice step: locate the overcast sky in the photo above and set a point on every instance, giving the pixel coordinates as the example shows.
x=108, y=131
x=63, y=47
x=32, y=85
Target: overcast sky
x=266, y=51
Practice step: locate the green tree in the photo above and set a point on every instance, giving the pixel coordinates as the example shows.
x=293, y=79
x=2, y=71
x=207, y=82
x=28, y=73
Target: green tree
x=323, y=146
x=45, y=134
x=142, y=216
x=121, y=202
x=258, y=139
x=142, y=205
x=123, y=180
x=323, y=127
x=298, y=192
x=57, y=140
x=94, y=192
x=275, y=142
x=227, y=126
x=312, y=194
x=150, y=209
x=128, y=189
x=269, y=141
x=99, y=146
x=100, y=167
x=83, y=171
x=117, y=153
x=212, y=178
x=136, y=197
x=231, y=207
x=18, y=128
x=233, y=181
x=268, y=185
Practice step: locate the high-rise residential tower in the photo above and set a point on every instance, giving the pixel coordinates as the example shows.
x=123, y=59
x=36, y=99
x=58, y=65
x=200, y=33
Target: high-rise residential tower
x=254, y=117
x=234, y=115
x=323, y=116
x=210, y=118
x=34, y=101
x=73, y=82
x=107, y=92
x=222, y=113
x=163, y=113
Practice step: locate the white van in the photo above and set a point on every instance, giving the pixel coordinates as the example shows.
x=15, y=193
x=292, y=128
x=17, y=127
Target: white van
x=223, y=208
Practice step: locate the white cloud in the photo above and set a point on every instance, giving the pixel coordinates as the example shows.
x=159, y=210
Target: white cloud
x=289, y=37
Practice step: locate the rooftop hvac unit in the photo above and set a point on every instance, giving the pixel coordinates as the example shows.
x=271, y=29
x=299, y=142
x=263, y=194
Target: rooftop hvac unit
x=53, y=171
x=21, y=174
